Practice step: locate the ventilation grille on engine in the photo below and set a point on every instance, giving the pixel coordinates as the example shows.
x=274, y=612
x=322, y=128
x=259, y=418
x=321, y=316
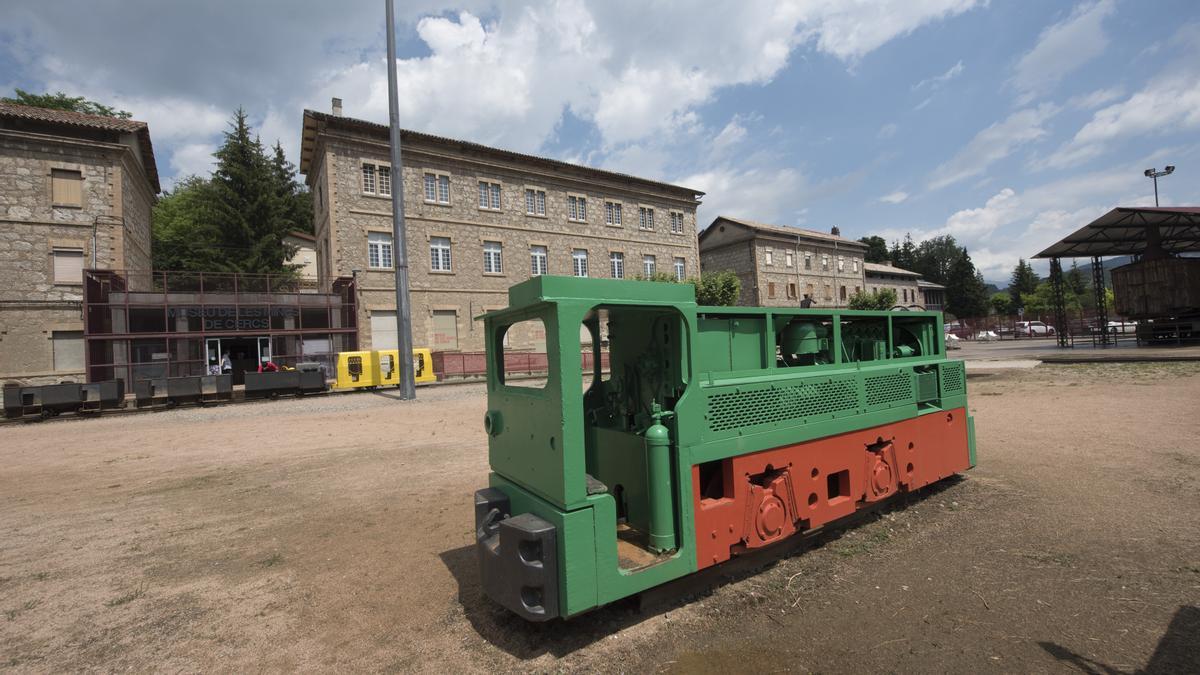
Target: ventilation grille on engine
x=885, y=389
x=954, y=380
x=736, y=409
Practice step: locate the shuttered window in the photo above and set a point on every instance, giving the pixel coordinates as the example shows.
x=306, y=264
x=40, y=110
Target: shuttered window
x=68, y=350
x=68, y=266
x=445, y=330
x=66, y=187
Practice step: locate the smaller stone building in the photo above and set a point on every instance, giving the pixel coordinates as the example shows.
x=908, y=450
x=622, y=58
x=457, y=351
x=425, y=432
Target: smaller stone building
x=779, y=265
x=76, y=193
x=911, y=290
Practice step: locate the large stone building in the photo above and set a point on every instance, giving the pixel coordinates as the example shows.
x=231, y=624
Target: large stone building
x=778, y=266
x=479, y=220
x=76, y=192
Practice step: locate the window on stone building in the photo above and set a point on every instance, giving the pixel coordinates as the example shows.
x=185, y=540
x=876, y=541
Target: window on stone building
x=856, y=265
x=66, y=187
x=807, y=261
x=439, y=254
x=445, y=329
x=680, y=269
x=493, y=262
x=677, y=222
x=379, y=250
x=535, y=202
x=770, y=289
x=791, y=290
x=645, y=218
x=385, y=180
x=68, y=265
x=489, y=195
x=810, y=291
x=368, y=179
x=842, y=293
x=576, y=208
x=68, y=350
x=906, y=295
x=828, y=291
x=648, y=265
x=616, y=261
x=825, y=263
x=612, y=213
x=841, y=264
x=537, y=261
x=579, y=262
x=437, y=187
x=787, y=258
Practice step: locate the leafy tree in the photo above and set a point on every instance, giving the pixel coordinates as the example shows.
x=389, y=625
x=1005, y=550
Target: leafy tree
x=935, y=258
x=184, y=236
x=1002, y=303
x=877, y=249
x=1024, y=281
x=60, y=101
x=884, y=298
x=718, y=288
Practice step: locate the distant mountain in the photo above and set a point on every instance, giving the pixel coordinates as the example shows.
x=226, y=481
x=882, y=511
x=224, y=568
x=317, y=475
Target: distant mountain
x=1109, y=264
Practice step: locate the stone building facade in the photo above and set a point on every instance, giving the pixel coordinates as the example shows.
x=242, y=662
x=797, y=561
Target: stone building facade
x=778, y=266
x=910, y=288
x=76, y=192
x=478, y=220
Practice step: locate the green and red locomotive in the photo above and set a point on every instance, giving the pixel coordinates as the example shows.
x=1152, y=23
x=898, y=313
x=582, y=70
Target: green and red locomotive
x=701, y=433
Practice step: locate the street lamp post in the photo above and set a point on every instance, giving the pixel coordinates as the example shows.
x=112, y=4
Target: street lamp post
x=1151, y=173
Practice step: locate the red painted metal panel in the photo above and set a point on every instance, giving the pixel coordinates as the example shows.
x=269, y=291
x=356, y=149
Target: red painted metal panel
x=758, y=499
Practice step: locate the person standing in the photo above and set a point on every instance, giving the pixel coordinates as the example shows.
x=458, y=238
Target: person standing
x=807, y=301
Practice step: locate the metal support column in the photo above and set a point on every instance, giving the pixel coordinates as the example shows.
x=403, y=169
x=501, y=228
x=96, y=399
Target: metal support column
x=1060, y=303
x=404, y=342
x=1101, y=305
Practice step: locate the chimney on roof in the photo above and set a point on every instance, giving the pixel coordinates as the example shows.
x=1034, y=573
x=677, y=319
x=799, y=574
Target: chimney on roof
x=337, y=107
x=835, y=231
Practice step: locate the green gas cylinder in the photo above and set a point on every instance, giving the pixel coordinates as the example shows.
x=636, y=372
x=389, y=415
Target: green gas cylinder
x=658, y=482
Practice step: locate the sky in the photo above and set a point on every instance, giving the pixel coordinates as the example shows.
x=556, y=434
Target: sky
x=1006, y=124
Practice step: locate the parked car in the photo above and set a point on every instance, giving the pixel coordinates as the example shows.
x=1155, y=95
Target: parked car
x=1032, y=329
x=1124, y=327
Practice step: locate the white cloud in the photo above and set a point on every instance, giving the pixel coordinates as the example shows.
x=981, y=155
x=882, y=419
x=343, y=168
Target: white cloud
x=994, y=144
x=1095, y=99
x=1062, y=48
x=192, y=159
x=887, y=131
x=763, y=194
x=937, y=81
x=922, y=105
x=894, y=197
x=1169, y=103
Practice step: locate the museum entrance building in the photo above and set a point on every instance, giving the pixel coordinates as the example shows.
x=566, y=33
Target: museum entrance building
x=141, y=325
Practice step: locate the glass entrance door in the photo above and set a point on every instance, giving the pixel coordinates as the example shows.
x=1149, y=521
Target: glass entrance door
x=213, y=349
x=264, y=352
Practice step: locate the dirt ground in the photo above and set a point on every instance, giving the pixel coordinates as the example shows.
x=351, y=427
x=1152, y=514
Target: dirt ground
x=336, y=533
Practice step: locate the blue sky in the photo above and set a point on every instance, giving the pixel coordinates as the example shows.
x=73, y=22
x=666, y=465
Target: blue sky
x=1005, y=124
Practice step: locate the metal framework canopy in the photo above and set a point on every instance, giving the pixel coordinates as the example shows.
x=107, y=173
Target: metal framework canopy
x=1128, y=230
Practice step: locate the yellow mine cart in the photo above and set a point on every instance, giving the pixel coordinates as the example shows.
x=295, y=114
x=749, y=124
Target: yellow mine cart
x=356, y=370
x=423, y=366
x=387, y=367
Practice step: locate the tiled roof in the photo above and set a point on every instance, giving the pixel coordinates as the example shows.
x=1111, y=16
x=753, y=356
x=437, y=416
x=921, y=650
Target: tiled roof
x=889, y=269
x=312, y=117
x=787, y=231
x=83, y=120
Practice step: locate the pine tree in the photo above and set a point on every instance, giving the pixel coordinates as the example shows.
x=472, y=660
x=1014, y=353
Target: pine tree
x=1024, y=280
x=297, y=201
x=877, y=249
x=966, y=292
x=248, y=208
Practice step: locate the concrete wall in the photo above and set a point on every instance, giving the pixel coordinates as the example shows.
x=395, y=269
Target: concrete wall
x=467, y=290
